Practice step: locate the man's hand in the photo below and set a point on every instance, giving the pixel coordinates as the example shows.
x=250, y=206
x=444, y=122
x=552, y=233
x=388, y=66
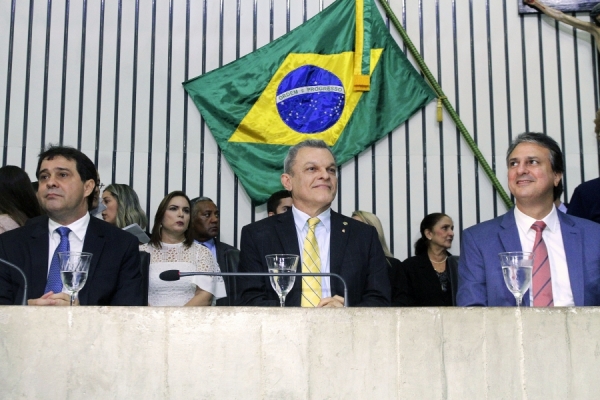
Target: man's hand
x=52, y=299
x=335, y=301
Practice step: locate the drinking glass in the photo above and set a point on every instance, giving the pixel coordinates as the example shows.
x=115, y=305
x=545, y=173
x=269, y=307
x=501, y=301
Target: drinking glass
x=282, y=264
x=74, y=267
x=516, y=268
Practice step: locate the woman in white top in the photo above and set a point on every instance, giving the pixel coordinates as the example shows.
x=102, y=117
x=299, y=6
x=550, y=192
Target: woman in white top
x=171, y=246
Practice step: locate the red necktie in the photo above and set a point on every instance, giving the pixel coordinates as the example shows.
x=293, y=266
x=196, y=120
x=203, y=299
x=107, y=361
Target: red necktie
x=542, y=282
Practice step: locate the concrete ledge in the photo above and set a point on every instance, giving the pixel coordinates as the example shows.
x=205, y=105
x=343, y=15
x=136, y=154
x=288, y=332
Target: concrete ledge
x=256, y=353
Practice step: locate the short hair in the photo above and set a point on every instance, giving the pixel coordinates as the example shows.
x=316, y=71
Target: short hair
x=129, y=210
x=595, y=13
x=556, y=156
x=17, y=198
x=276, y=198
x=85, y=167
x=197, y=200
x=155, y=237
x=422, y=244
x=290, y=159
x=372, y=219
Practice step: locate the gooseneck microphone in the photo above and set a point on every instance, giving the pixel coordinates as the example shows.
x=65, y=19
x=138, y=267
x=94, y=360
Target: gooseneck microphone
x=24, y=301
x=175, y=275
x=170, y=275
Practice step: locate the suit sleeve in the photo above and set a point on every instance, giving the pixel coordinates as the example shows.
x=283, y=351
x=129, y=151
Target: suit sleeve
x=7, y=294
x=577, y=206
x=472, y=290
x=129, y=284
x=401, y=293
x=377, y=290
x=252, y=289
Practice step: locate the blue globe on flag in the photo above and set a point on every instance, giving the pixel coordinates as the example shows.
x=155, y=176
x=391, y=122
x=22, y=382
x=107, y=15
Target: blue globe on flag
x=310, y=99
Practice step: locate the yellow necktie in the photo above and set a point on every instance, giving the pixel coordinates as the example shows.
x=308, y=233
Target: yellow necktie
x=311, y=262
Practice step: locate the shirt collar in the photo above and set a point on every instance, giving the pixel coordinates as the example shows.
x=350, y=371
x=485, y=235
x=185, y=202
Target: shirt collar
x=210, y=243
x=524, y=221
x=78, y=227
x=301, y=218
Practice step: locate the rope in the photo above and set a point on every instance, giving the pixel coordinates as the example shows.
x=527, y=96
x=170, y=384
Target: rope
x=444, y=100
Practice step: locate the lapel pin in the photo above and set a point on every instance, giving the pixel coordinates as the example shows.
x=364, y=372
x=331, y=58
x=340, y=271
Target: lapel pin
x=345, y=223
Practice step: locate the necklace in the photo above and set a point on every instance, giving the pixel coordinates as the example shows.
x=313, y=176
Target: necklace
x=438, y=262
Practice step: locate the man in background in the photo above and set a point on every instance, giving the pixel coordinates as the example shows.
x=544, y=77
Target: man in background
x=279, y=202
x=206, y=225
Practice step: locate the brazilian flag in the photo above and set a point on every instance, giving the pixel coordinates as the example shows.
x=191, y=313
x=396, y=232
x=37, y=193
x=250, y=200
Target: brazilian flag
x=339, y=77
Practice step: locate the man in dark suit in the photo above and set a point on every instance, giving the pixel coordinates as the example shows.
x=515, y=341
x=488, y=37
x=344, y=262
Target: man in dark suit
x=67, y=179
x=206, y=225
x=585, y=202
x=571, y=253
x=279, y=202
x=325, y=241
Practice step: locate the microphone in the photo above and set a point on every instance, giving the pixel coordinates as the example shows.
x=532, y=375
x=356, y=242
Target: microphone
x=24, y=301
x=170, y=275
x=175, y=275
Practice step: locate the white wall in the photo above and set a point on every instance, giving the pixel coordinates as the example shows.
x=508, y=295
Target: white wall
x=503, y=73
x=295, y=353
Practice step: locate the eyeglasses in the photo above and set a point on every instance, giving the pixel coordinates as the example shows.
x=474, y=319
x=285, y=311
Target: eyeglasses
x=101, y=185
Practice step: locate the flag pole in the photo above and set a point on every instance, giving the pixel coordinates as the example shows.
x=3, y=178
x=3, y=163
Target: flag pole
x=444, y=100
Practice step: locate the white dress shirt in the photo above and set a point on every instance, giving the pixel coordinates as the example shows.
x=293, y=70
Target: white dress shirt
x=552, y=235
x=76, y=236
x=323, y=234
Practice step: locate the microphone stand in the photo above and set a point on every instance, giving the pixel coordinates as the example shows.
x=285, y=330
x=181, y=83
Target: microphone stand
x=24, y=301
x=182, y=274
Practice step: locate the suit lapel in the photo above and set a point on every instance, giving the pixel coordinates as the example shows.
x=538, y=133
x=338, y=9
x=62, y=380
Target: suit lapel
x=38, y=253
x=573, y=245
x=338, y=239
x=286, y=231
x=509, y=236
x=93, y=243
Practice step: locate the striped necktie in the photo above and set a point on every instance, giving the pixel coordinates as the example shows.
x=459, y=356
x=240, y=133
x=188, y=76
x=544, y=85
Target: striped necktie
x=54, y=282
x=311, y=262
x=542, y=282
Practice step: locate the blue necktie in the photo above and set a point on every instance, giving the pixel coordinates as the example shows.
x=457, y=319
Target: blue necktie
x=54, y=282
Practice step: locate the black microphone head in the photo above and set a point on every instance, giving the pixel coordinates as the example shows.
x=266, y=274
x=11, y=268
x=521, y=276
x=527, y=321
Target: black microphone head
x=170, y=275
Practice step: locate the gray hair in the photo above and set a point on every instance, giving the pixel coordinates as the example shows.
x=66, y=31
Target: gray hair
x=290, y=159
x=197, y=200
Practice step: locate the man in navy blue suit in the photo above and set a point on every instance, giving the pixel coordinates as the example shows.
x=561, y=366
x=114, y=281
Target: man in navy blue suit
x=535, y=170
x=67, y=180
x=343, y=245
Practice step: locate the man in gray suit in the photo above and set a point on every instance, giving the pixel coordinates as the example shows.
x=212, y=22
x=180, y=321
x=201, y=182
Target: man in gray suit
x=320, y=236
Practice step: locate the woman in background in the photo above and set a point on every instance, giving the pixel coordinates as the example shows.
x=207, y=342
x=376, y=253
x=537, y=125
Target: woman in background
x=372, y=219
x=18, y=201
x=423, y=280
x=122, y=207
x=172, y=246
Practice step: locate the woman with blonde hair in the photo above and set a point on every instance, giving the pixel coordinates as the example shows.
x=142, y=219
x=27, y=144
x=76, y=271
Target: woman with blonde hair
x=122, y=206
x=372, y=219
